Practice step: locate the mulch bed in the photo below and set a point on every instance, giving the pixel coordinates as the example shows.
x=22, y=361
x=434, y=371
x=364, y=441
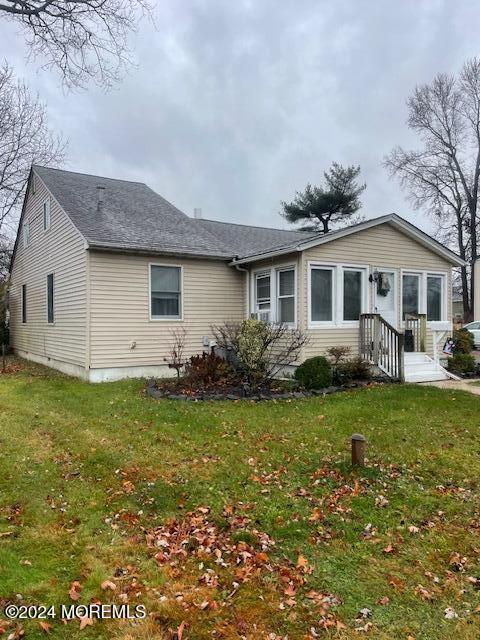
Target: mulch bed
x=170, y=391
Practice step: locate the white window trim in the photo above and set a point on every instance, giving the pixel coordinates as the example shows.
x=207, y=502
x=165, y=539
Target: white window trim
x=279, y=270
x=50, y=324
x=46, y=215
x=26, y=234
x=315, y=324
x=363, y=269
x=23, y=303
x=444, y=323
x=337, y=293
x=165, y=318
x=272, y=272
x=263, y=273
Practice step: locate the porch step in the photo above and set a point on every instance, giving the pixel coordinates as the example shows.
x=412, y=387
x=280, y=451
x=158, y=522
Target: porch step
x=416, y=357
x=419, y=367
x=430, y=376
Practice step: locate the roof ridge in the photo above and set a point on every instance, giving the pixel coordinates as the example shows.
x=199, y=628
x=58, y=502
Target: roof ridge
x=88, y=175
x=251, y=226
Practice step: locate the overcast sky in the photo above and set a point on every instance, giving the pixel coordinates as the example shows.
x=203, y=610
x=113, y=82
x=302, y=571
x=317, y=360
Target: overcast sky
x=232, y=106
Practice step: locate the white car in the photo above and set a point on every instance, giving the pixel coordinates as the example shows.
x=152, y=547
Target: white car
x=474, y=328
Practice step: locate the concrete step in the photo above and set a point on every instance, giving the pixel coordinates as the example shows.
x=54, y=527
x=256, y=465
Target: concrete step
x=416, y=356
x=425, y=376
x=419, y=367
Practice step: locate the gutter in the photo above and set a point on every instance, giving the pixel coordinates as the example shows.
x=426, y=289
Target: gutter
x=96, y=246
x=268, y=254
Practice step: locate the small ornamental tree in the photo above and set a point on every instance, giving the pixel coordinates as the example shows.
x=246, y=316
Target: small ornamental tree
x=259, y=351
x=176, y=358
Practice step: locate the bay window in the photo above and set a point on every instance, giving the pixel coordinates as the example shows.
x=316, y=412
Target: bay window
x=286, y=296
x=165, y=292
x=321, y=294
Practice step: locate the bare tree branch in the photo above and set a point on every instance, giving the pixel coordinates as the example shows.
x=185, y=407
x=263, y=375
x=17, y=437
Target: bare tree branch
x=83, y=39
x=25, y=139
x=444, y=176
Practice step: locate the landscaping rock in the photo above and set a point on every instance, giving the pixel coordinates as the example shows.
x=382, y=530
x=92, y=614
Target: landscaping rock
x=159, y=394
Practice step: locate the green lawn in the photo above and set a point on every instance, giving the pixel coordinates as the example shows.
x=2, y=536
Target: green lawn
x=91, y=477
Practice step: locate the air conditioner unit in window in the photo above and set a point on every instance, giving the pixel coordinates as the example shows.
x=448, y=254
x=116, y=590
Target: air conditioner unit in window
x=263, y=316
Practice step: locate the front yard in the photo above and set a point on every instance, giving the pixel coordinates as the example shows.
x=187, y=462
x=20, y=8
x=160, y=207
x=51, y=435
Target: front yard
x=273, y=534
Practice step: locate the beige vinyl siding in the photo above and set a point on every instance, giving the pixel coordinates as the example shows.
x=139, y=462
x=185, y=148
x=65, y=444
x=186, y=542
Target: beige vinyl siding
x=212, y=293
x=61, y=251
x=379, y=247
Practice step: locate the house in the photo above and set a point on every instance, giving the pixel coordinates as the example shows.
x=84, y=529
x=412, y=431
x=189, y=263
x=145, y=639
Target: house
x=104, y=270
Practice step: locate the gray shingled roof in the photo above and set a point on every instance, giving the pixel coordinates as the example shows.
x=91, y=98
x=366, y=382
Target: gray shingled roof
x=247, y=240
x=134, y=217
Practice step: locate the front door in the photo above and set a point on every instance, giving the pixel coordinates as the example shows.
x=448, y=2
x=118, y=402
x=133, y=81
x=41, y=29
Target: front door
x=385, y=295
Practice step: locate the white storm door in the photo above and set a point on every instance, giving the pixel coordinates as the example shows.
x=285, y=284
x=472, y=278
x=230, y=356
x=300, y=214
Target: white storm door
x=385, y=295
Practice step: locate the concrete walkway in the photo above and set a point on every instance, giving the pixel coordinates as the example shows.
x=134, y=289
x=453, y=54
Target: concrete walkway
x=458, y=385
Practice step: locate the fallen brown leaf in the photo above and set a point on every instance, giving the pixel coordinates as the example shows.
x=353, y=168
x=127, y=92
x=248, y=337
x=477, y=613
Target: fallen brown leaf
x=75, y=589
x=108, y=584
x=85, y=622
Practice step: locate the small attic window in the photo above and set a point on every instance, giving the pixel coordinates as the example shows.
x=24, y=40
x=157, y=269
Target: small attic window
x=46, y=215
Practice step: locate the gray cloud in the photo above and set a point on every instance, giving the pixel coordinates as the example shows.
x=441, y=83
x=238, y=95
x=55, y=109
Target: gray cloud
x=234, y=106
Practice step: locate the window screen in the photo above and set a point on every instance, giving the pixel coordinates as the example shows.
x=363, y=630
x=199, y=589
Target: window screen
x=165, y=284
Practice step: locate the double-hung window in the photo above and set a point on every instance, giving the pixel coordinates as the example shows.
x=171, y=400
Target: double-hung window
x=50, y=299
x=165, y=292
x=286, y=296
x=321, y=294
x=262, y=293
x=410, y=293
x=26, y=234
x=46, y=215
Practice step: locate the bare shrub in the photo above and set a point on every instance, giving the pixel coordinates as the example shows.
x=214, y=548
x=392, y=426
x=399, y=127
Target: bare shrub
x=258, y=350
x=176, y=358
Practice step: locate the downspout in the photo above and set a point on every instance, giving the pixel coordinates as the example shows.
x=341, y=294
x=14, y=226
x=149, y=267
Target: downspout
x=247, y=287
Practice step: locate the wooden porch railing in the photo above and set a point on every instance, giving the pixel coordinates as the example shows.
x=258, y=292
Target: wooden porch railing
x=382, y=345
x=417, y=323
